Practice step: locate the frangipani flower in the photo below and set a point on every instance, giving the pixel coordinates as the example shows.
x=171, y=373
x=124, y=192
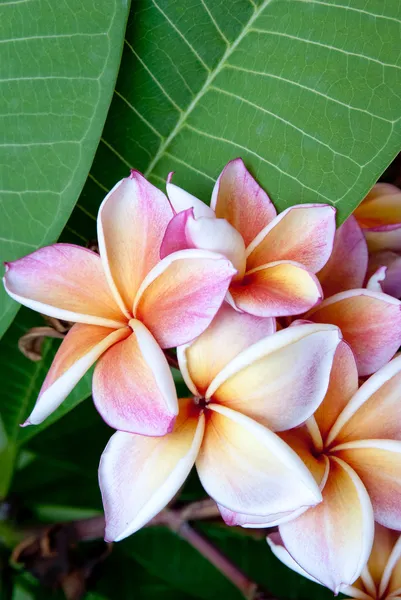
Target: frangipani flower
x=353, y=446
x=379, y=216
x=370, y=320
x=127, y=305
x=380, y=578
x=246, y=385
x=276, y=257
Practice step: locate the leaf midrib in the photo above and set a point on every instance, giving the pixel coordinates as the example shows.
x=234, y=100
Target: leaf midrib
x=204, y=89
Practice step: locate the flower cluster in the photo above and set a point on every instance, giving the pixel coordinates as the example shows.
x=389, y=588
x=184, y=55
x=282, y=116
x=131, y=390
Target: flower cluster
x=285, y=331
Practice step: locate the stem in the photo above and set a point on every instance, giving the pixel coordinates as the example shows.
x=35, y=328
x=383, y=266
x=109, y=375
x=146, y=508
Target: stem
x=171, y=359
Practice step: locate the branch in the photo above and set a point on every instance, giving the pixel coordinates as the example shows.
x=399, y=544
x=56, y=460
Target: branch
x=177, y=520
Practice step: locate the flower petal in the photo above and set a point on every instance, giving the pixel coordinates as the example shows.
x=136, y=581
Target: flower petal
x=248, y=469
x=343, y=385
x=332, y=541
x=205, y=233
x=238, y=198
x=374, y=411
x=302, y=233
x=383, y=545
x=233, y=518
x=391, y=580
x=139, y=475
x=66, y=282
x=346, y=267
x=181, y=295
x=131, y=224
x=229, y=333
x=176, y=238
x=280, y=380
x=378, y=464
x=133, y=388
x=279, y=550
x=370, y=322
x=385, y=273
x=277, y=289
x=182, y=200
x=81, y=347
x=380, y=208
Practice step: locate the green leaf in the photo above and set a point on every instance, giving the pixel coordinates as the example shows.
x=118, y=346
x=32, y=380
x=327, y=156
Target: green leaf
x=308, y=93
x=20, y=382
x=56, y=78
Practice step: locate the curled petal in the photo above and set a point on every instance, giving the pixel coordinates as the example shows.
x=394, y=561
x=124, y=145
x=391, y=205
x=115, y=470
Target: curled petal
x=279, y=550
x=346, y=267
x=258, y=521
x=176, y=238
x=139, y=475
x=342, y=386
x=385, y=273
x=182, y=200
x=229, y=333
x=302, y=233
x=133, y=388
x=249, y=469
x=378, y=464
x=205, y=233
x=131, y=224
x=374, y=411
x=81, y=347
x=277, y=289
x=280, y=380
x=239, y=199
x=66, y=282
x=332, y=541
x=370, y=323
x=181, y=295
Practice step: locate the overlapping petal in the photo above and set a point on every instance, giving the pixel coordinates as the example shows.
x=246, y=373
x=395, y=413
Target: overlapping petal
x=180, y=296
x=133, y=388
x=279, y=550
x=370, y=322
x=280, y=380
x=233, y=518
x=332, y=541
x=131, y=224
x=205, y=233
x=239, y=199
x=66, y=282
x=277, y=289
x=378, y=464
x=139, y=475
x=229, y=333
x=249, y=469
x=385, y=273
x=302, y=233
x=343, y=385
x=347, y=265
x=391, y=580
x=81, y=347
x=379, y=215
x=374, y=411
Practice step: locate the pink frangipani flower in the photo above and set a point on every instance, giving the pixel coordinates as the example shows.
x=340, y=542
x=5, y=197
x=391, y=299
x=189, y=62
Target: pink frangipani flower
x=127, y=306
x=248, y=384
x=352, y=445
x=276, y=257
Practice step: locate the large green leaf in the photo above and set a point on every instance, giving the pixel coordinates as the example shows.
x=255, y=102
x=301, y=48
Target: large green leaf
x=57, y=73
x=308, y=93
